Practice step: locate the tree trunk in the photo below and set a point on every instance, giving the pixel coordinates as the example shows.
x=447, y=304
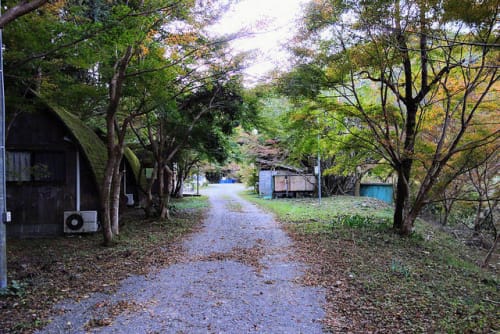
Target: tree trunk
x=106, y=203
x=180, y=187
x=408, y=224
x=115, y=150
x=478, y=219
x=448, y=204
x=357, y=185
x=110, y=194
x=490, y=252
x=161, y=188
x=148, y=205
x=165, y=199
x=106, y=221
x=22, y=8
x=179, y=184
x=403, y=224
x=115, y=201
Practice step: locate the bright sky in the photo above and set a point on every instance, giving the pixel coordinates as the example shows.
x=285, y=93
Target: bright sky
x=273, y=22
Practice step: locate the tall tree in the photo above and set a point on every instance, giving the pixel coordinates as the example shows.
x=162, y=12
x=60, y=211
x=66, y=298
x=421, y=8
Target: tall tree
x=198, y=120
x=396, y=65
x=133, y=39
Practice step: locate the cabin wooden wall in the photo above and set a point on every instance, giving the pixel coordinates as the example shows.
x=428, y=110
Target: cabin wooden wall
x=38, y=206
x=131, y=186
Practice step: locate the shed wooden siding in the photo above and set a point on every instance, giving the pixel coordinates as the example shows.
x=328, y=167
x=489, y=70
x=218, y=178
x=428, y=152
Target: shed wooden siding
x=265, y=182
x=294, y=183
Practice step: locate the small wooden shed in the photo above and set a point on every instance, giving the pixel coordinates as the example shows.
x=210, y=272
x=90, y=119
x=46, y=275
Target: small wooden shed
x=293, y=185
x=285, y=181
x=266, y=181
x=54, y=168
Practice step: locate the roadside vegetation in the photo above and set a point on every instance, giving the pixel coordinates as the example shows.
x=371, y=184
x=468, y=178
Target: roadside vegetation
x=44, y=272
x=376, y=280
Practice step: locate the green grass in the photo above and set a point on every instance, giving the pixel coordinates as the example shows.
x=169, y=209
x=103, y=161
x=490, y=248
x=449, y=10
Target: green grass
x=428, y=282
x=188, y=203
x=305, y=209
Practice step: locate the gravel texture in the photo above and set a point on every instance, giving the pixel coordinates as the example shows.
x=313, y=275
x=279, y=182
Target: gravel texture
x=237, y=276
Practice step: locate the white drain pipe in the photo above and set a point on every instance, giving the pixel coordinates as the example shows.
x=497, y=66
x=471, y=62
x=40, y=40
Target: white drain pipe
x=77, y=180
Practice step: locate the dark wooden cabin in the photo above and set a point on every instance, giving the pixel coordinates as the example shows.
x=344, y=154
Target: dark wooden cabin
x=133, y=179
x=44, y=149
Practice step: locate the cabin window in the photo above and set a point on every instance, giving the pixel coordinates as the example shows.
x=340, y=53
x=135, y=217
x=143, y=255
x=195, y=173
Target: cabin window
x=49, y=166
x=149, y=173
x=18, y=166
x=39, y=166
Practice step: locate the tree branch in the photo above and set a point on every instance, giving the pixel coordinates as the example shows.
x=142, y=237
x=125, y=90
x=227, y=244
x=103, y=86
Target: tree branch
x=22, y=8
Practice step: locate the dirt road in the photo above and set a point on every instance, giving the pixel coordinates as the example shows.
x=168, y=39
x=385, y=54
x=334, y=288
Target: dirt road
x=237, y=275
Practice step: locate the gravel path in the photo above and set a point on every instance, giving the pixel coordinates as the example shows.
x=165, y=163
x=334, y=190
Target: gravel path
x=237, y=276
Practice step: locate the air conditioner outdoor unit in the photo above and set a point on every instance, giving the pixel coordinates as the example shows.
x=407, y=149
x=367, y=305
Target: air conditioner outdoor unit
x=80, y=221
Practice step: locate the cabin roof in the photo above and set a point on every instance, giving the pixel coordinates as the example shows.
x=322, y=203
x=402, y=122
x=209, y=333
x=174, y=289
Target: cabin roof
x=267, y=165
x=92, y=145
x=88, y=141
x=135, y=164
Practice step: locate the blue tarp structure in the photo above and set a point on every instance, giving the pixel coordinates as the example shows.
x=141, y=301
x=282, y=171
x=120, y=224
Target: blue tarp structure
x=381, y=191
x=227, y=181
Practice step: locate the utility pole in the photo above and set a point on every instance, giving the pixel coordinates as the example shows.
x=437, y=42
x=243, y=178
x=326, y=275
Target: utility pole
x=319, y=166
x=198, y=180
x=319, y=173
x=3, y=196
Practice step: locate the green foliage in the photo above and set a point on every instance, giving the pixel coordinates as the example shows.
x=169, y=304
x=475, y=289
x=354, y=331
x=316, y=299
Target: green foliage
x=336, y=211
x=462, y=213
x=399, y=268
x=14, y=289
x=68, y=53
x=390, y=66
x=304, y=81
x=359, y=221
x=191, y=203
x=249, y=176
x=469, y=11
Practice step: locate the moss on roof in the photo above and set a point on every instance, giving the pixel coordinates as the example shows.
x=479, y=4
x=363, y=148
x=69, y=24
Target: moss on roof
x=90, y=144
x=135, y=164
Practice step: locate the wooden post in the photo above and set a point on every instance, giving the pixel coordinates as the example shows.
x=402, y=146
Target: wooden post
x=319, y=169
x=3, y=192
x=198, y=181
